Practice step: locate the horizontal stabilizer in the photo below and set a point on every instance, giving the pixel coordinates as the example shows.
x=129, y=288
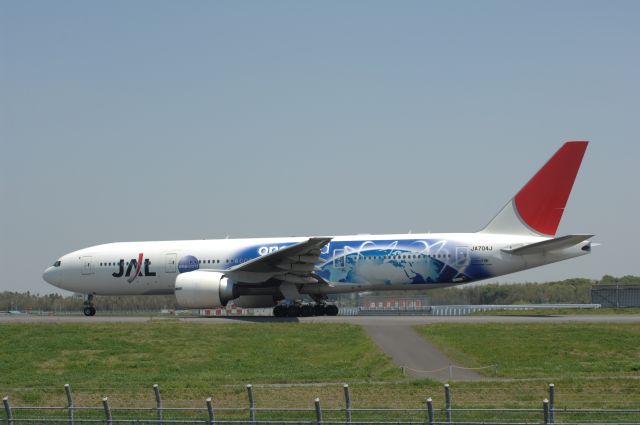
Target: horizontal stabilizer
x=549, y=245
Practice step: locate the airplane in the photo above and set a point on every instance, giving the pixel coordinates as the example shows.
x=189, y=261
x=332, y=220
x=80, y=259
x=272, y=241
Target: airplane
x=277, y=272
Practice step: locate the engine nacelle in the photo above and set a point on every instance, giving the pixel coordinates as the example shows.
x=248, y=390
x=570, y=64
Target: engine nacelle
x=254, y=301
x=200, y=289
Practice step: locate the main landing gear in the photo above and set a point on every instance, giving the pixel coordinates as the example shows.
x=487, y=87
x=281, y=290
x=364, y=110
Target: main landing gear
x=305, y=310
x=89, y=308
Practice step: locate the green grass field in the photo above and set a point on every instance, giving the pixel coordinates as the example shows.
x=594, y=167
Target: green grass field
x=591, y=365
x=558, y=311
x=291, y=363
x=543, y=351
x=182, y=358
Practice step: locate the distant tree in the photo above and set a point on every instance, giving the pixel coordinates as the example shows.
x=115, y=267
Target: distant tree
x=56, y=302
x=624, y=280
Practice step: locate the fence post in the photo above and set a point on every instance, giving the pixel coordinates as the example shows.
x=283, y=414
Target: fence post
x=447, y=401
x=552, y=408
x=347, y=403
x=67, y=390
x=545, y=410
x=7, y=409
x=318, y=412
x=156, y=390
x=212, y=419
x=252, y=412
x=107, y=410
x=430, y=418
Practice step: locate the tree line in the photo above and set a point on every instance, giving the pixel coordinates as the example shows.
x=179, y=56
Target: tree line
x=27, y=301
x=565, y=291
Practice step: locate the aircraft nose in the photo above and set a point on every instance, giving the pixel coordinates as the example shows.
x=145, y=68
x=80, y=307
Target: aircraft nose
x=52, y=275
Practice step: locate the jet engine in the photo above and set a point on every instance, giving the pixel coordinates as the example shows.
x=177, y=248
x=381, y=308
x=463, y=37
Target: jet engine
x=200, y=289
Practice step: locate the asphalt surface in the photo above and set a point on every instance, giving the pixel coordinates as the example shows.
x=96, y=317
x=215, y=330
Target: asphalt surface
x=356, y=320
x=393, y=334
x=417, y=356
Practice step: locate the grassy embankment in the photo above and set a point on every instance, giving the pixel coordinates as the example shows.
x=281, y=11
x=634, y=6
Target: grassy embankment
x=186, y=360
x=558, y=311
x=557, y=351
x=591, y=365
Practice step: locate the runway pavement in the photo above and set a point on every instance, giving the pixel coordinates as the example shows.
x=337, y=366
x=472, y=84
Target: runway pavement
x=356, y=320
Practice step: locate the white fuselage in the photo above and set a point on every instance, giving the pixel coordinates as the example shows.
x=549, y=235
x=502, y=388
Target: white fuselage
x=349, y=263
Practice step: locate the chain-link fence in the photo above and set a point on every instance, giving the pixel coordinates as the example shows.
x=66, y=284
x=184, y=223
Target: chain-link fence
x=546, y=412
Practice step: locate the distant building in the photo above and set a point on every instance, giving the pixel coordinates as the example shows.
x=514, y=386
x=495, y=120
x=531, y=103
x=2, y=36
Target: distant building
x=616, y=295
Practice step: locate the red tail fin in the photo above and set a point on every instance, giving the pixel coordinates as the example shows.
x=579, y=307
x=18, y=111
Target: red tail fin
x=541, y=201
x=538, y=206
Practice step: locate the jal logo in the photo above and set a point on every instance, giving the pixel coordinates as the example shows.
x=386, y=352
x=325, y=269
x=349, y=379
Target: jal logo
x=188, y=263
x=134, y=268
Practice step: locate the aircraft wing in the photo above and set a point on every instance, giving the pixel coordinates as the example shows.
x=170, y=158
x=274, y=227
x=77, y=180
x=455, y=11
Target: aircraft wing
x=549, y=245
x=294, y=264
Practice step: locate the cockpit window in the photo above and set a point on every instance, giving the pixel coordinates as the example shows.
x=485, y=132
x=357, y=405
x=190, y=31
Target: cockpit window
x=56, y=264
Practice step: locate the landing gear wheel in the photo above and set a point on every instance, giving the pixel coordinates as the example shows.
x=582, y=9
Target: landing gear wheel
x=307, y=310
x=89, y=309
x=319, y=310
x=280, y=311
x=293, y=311
x=331, y=310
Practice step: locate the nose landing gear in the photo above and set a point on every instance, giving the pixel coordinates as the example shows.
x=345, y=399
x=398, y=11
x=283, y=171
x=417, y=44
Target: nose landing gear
x=89, y=308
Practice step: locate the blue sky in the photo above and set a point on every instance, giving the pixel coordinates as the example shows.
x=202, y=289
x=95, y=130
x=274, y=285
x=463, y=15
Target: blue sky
x=153, y=120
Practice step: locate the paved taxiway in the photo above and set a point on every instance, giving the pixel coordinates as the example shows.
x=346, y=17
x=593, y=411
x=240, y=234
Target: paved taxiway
x=356, y=320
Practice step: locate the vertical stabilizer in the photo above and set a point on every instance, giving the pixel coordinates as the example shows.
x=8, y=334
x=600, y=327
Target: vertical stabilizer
x=537, y=208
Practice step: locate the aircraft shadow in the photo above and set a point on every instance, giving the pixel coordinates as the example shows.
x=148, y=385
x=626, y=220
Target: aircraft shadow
x=253, y=319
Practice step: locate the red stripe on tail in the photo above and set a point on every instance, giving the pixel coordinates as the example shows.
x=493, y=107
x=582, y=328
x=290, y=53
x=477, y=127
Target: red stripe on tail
x=541, y=201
